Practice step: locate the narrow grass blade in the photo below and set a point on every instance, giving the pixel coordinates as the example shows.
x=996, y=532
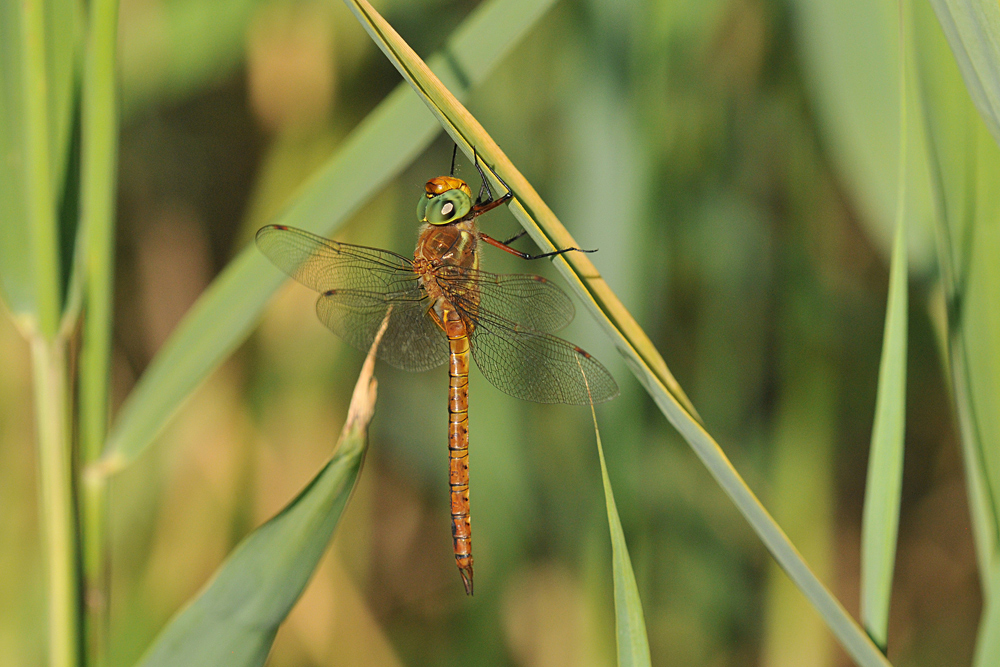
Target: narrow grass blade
x=98, y=190
x=38, y=165
x=234, y=619
x=885, y=462
x=385, y=142
x=883, y=488
x=638, y=352
x=630, y=624
x=972, y=28
x=63, y=48
x=95, y=273
x=965, y=167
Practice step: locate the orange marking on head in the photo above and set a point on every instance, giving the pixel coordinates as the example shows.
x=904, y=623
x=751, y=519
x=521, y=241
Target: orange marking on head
x=436, y=186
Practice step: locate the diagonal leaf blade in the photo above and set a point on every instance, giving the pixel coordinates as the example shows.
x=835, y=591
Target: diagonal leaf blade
x=233, y=621
x=385, y=142
x=635, y=347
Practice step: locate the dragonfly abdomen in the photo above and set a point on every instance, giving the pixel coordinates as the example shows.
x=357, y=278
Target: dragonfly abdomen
x=458, y=442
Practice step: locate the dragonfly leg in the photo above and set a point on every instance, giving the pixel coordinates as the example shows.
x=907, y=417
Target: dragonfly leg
x=515, y=237
x=523, y=255
x=483, y=205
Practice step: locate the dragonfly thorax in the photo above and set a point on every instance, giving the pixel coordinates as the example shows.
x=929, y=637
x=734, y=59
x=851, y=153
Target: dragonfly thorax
x=445, y=200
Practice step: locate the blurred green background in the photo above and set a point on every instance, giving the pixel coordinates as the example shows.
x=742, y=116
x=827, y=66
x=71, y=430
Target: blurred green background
x=733, y=160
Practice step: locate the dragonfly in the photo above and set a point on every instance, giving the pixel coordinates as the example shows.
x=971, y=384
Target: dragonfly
x=442, y=307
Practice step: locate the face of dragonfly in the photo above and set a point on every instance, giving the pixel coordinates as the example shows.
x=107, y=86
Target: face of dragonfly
x=445, y=200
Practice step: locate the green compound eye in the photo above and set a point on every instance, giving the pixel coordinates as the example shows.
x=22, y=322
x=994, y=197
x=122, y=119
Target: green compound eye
x=443, y=208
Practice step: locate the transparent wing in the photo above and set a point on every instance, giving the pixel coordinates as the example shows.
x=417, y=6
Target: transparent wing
x=536, y=366
x=531, y=302
x=411, y=342
x=359, y=284
x=323, y=264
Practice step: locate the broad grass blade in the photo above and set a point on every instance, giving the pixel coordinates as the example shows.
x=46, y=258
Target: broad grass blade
x=972, y=28
x=965, y=168
x=638, y=352
x=381, y=146
x=38, y=52
x=234, y=619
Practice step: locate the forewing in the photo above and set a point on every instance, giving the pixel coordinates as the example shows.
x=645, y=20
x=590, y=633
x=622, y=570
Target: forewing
x=412, y=341
x=530, y=302
x=537, y=366
x=323, y=264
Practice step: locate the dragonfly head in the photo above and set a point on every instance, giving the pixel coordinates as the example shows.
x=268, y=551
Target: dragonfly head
x=445, y=199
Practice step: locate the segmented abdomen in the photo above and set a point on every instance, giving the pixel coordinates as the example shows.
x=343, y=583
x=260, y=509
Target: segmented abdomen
x=458, y=443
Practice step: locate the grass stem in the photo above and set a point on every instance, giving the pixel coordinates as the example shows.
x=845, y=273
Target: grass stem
x=57, y=500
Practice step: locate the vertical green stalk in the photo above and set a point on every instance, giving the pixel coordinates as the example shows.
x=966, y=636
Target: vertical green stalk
x=38, y=165
x=48, y=349
x=97, y=196
x=57, y=501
